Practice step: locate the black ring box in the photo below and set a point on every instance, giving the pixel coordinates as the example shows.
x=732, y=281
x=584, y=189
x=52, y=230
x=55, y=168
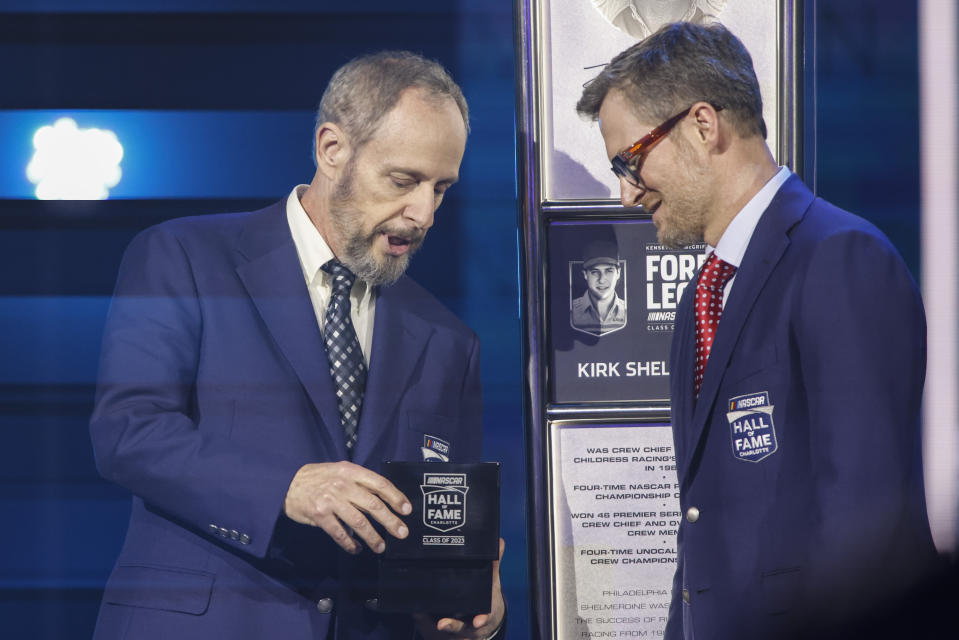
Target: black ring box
x=444, y=566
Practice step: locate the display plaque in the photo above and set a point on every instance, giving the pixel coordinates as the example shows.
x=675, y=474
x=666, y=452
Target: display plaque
x=611, y=317
x=616, y=505
x=576, y=38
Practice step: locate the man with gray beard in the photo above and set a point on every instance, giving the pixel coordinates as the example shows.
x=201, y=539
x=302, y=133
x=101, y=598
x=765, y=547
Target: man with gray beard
x=259, y=368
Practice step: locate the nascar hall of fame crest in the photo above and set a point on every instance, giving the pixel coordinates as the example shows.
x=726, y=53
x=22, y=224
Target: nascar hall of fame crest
x=444, y=501
x=751, y=429
x=435, y=449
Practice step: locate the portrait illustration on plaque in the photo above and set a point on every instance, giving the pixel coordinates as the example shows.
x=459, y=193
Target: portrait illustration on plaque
x=641, y=18
x=597, y=289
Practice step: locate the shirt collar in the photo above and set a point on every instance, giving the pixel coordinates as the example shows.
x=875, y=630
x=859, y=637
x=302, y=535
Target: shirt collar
x=732, y=245
x=311, y=247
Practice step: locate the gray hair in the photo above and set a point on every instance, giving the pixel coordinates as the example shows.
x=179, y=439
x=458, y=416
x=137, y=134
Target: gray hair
x=679, y=65
x=365, y=89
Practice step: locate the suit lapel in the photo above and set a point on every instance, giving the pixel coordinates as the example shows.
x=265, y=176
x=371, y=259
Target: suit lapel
x=399, y=342
x=767, y=245
x=273, y=277
x=681, y=376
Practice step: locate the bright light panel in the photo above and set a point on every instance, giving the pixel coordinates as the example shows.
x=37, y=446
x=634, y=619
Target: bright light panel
x=70, y=163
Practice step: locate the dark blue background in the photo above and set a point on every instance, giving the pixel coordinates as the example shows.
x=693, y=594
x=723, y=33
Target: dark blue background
x=215, y=98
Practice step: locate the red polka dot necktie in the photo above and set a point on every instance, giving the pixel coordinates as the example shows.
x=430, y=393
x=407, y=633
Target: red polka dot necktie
x=709, y=307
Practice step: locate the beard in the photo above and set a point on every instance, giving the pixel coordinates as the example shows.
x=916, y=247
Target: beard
x=684, y=221
x=359, y=253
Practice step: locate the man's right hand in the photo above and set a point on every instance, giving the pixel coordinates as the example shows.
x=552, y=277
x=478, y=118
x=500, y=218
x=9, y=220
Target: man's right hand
x=337, y=495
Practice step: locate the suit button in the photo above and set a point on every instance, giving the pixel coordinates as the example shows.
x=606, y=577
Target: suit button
x=224, y=532
x=215, y=530
x=244, y=539
x=686, y=596
x=234, y=534
x=692, y=514
x=324, y=605
x=373, y=604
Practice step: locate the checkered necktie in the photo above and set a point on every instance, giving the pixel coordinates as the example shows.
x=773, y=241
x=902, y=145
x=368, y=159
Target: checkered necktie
x=347, y=366
x=709, y=307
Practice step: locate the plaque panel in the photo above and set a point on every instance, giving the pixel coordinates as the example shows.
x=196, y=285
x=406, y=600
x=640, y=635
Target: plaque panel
x=578, y=38
x=620, y=354
x=615, y=502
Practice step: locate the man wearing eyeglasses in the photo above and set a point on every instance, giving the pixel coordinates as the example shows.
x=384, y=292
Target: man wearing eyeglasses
x=259, y=369
x=797, y=361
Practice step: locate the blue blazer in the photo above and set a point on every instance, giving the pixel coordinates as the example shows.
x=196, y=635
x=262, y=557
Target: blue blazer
x=802, y=452
x=214, y=390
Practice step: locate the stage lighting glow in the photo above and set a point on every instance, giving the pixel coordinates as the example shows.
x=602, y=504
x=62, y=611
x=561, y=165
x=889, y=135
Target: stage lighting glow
x=70, y=163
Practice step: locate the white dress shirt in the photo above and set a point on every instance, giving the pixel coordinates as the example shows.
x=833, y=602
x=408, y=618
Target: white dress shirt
x=732, y=245
x=314, y=252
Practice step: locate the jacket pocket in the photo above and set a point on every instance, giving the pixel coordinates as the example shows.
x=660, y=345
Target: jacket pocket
x=429, y=423
x=780, y=588
x=430, y=434
x=756, y=364
x=163, y=588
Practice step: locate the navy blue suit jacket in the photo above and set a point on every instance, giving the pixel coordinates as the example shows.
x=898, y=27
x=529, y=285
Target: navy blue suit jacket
x=824, y=325
x=214, y=390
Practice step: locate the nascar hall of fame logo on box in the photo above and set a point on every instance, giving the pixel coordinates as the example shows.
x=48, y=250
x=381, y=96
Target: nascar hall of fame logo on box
x=751, y=429
x=444, y=506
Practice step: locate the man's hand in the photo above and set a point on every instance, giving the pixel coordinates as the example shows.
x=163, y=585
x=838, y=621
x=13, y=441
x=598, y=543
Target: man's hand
x=336, y=495
x=480, y=627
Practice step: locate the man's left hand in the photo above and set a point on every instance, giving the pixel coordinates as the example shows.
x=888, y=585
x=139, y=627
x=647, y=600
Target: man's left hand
x=479, y=628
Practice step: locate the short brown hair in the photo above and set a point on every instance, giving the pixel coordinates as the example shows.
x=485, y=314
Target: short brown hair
x=677, y=66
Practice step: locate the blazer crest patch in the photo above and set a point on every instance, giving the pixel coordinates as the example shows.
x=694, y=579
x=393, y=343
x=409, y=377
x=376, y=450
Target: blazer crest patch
x=751, y=429
x=435, y=449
